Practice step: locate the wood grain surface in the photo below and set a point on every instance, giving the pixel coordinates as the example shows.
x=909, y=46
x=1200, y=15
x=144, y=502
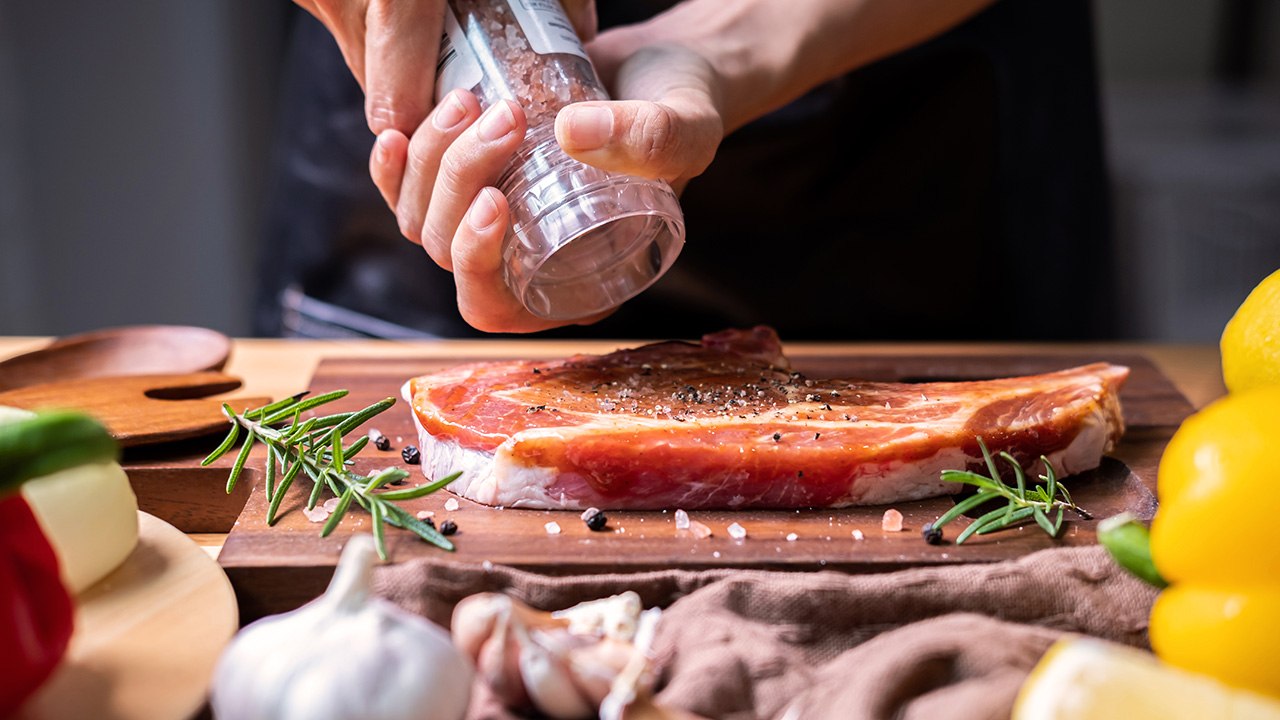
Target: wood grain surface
x=140, y=409
x=147, y=636
x=276, y=568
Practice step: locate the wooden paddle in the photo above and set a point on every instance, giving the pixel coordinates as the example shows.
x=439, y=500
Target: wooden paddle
x=142, y=409
x=137, y=350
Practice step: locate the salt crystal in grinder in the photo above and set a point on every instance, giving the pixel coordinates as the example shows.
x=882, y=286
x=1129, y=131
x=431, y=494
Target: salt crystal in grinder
x=581, y=240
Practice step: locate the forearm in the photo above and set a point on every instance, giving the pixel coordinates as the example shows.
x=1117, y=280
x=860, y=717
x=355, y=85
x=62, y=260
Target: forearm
x=769, y=52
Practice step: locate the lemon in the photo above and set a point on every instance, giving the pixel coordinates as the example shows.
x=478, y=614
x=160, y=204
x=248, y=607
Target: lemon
x=1087, y=679
x=1251, y=341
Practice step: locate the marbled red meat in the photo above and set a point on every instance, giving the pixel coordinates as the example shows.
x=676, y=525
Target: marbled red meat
x=726, y=424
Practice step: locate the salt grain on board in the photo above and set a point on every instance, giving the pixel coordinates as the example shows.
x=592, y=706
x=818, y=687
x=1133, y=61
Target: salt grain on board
x=424, y=514
x=331, y=504
x=699, y=530
x=315, y=515
x=792, y=537
x=553, y=528
x=451, y=504
x=682, y=520
x=892, y=521
x=737, y=532
x=857, y=535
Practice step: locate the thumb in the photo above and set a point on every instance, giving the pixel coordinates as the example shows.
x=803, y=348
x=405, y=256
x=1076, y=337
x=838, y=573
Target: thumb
x=669, y=140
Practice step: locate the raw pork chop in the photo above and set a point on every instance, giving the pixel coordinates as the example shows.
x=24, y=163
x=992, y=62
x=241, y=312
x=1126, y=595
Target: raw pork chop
x=725, y=424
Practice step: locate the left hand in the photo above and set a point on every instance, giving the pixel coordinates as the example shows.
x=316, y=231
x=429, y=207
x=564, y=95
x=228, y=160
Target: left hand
x=666, y=124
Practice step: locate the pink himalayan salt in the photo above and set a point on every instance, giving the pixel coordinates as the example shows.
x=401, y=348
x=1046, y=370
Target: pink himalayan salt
x=892, y=521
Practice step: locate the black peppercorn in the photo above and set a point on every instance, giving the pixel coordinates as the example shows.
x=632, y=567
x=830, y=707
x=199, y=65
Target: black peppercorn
x=932, y=535
x=380, y=441
x=448, y=527
x=594, y=519
x=411, y=454
x=430, y=523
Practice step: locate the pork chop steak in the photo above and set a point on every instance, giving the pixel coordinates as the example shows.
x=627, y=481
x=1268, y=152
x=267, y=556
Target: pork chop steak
x=725, y=424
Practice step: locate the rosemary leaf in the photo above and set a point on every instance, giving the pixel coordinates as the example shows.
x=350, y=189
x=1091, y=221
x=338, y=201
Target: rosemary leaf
x=1050, y=477
x=379, y=530
x=420, y=490
x=399, y=517
x=271, y=471
x=338, y=513
x=280, y=491
x=965, y=506
x=963, y=476
x=1018, y=516
x=292, y=437
x=304, y=406
x=227, y=443
x=976, y=525
x=316, y=490
x=335, y=441
x=365, y=415
x=1043, y=521
x=240, y=460
x=1019, y=476
x=258, y=413
x=384, y=477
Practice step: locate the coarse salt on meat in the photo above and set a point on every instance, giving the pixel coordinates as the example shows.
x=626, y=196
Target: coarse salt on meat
x=726, y=424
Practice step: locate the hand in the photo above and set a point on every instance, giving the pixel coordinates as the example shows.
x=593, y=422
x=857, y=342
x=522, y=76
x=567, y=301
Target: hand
x=440, y=182
x=440, y=185
x=667, y=121
x=391, y=47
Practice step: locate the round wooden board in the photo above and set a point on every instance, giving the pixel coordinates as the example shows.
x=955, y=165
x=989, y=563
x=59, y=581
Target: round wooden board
x=147, y=636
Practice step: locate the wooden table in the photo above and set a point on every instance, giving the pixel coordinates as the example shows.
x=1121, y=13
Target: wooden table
x=279, y=368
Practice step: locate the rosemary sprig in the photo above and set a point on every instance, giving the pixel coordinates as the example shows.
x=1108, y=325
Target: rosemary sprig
x=1022, y=503
x=314, y=446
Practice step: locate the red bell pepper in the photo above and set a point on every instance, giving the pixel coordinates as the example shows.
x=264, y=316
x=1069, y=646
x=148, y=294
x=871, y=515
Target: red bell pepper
x=35, y=610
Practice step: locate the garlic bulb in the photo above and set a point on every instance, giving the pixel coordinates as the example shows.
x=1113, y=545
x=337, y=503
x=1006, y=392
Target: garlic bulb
x=563, y=663
x=344, y=655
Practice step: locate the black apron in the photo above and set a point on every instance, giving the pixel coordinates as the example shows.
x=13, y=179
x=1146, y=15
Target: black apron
x=956, y=190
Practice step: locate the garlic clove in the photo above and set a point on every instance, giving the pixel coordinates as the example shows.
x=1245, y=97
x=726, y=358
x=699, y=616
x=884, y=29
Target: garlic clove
x=344, y=655
x=550, y=684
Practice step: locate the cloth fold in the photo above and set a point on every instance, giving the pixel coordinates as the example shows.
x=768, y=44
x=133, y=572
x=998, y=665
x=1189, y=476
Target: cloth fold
x=939, y=642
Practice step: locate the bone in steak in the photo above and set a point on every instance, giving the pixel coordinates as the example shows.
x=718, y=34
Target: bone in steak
x=725, y=424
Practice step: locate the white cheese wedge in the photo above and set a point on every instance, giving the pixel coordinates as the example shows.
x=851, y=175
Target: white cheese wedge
x=89, y=513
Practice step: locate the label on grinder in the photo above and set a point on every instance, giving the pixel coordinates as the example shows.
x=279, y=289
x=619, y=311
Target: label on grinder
x=457, y=65
x=547, y=27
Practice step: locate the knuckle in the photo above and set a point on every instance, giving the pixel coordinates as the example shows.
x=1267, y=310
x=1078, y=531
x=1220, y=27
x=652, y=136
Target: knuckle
x=656, y=136
x=422, y=152
x=409, y=228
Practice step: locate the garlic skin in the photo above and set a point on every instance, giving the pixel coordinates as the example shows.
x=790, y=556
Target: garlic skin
x=563, y=663
x=343, y=656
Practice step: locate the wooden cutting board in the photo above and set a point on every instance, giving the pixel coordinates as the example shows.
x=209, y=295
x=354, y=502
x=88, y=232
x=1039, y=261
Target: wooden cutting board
x=278, y=568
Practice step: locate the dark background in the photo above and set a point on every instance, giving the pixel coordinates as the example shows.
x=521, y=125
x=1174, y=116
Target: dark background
x=134, y=147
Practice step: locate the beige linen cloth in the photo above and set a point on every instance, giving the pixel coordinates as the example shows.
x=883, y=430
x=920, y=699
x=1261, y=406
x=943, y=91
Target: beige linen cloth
x=942, y=643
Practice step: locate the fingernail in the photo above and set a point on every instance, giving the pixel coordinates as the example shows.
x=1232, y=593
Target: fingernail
x=484, y=211
x=590, y=127
x=450, y=113
x=380, y=151
x=497, y=122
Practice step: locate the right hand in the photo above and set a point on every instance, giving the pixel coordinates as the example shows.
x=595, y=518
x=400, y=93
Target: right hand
x=391, y=47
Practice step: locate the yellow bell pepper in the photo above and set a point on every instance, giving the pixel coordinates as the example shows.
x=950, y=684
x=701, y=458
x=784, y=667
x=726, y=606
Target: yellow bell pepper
x=1214, y=540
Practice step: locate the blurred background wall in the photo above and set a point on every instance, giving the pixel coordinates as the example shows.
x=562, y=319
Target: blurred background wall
x=134, y=144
